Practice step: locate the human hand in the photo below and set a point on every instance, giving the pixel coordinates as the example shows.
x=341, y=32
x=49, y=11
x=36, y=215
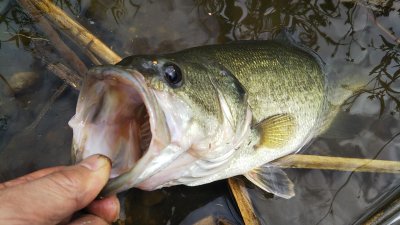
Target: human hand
x=53, y=195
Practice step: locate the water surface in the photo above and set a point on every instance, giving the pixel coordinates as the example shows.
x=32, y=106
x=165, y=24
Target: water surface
x=358, y=41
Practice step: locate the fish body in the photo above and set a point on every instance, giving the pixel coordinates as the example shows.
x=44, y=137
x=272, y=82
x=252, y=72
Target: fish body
x=202, y=114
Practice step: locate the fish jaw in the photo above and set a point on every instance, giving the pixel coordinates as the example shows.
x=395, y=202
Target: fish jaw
x=188, y=143
x=107, y=122
x=153, y=172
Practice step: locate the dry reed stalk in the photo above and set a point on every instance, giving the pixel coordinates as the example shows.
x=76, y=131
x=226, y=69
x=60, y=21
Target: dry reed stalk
x=77, y=32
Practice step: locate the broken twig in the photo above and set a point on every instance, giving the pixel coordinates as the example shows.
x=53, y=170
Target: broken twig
x=243, y=201
x=65, y=74
x=53, y=36
x=47, y=106
x=77, y=32
x=83, y=37
x=338, y=163
x=385, y=214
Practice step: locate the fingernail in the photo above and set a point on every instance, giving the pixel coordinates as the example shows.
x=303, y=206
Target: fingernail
x=95, y=162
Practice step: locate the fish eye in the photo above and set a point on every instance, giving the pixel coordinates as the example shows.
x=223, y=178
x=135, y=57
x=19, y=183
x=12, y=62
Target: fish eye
x=173, y=75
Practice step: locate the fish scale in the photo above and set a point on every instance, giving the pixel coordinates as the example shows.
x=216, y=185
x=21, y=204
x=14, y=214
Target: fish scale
x=218, y=111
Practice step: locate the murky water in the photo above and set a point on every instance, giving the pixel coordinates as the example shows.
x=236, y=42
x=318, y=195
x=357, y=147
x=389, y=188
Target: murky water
x=358, y=42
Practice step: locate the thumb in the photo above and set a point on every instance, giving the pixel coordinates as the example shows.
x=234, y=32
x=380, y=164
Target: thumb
x=51, y=199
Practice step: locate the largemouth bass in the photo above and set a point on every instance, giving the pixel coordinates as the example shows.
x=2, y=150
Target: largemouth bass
x=202, y=114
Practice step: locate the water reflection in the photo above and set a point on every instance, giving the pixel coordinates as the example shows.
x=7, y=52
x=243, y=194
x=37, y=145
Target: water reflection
x=358, y=42
x=180, y=204
x=219, y=211
x=383, y=85
x=74, y=6
x=356, y=48
x=119, y=9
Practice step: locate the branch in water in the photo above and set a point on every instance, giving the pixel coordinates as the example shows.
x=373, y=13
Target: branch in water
x=77, y=32
x=243, y=201
x=83, y=37
x=53, y=36
x=46, y=107
x=338, y=163
x=65, y=74
x=389, y=211
x=313, y=162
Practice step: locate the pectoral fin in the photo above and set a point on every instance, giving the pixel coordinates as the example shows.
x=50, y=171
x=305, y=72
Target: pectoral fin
x=276, y=131
x=272, y=179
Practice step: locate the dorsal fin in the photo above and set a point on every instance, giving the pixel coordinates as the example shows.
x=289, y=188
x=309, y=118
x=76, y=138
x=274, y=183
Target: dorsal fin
x=276, y=131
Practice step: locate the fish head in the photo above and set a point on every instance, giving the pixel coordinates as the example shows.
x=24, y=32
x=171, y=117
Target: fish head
x=157, y=117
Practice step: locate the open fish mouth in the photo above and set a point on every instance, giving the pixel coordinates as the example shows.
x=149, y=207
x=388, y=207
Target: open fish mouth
x=118, y=116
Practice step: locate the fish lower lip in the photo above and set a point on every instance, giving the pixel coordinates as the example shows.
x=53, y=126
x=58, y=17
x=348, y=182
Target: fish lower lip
x=115, y=117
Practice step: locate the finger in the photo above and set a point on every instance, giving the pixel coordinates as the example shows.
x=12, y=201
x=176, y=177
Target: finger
x=89, y=219
x=59, y=194
x=107, y=208
x=30, y=177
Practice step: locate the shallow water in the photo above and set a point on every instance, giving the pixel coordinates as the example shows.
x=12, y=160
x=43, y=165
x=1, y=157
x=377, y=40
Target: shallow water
x=356, y=42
